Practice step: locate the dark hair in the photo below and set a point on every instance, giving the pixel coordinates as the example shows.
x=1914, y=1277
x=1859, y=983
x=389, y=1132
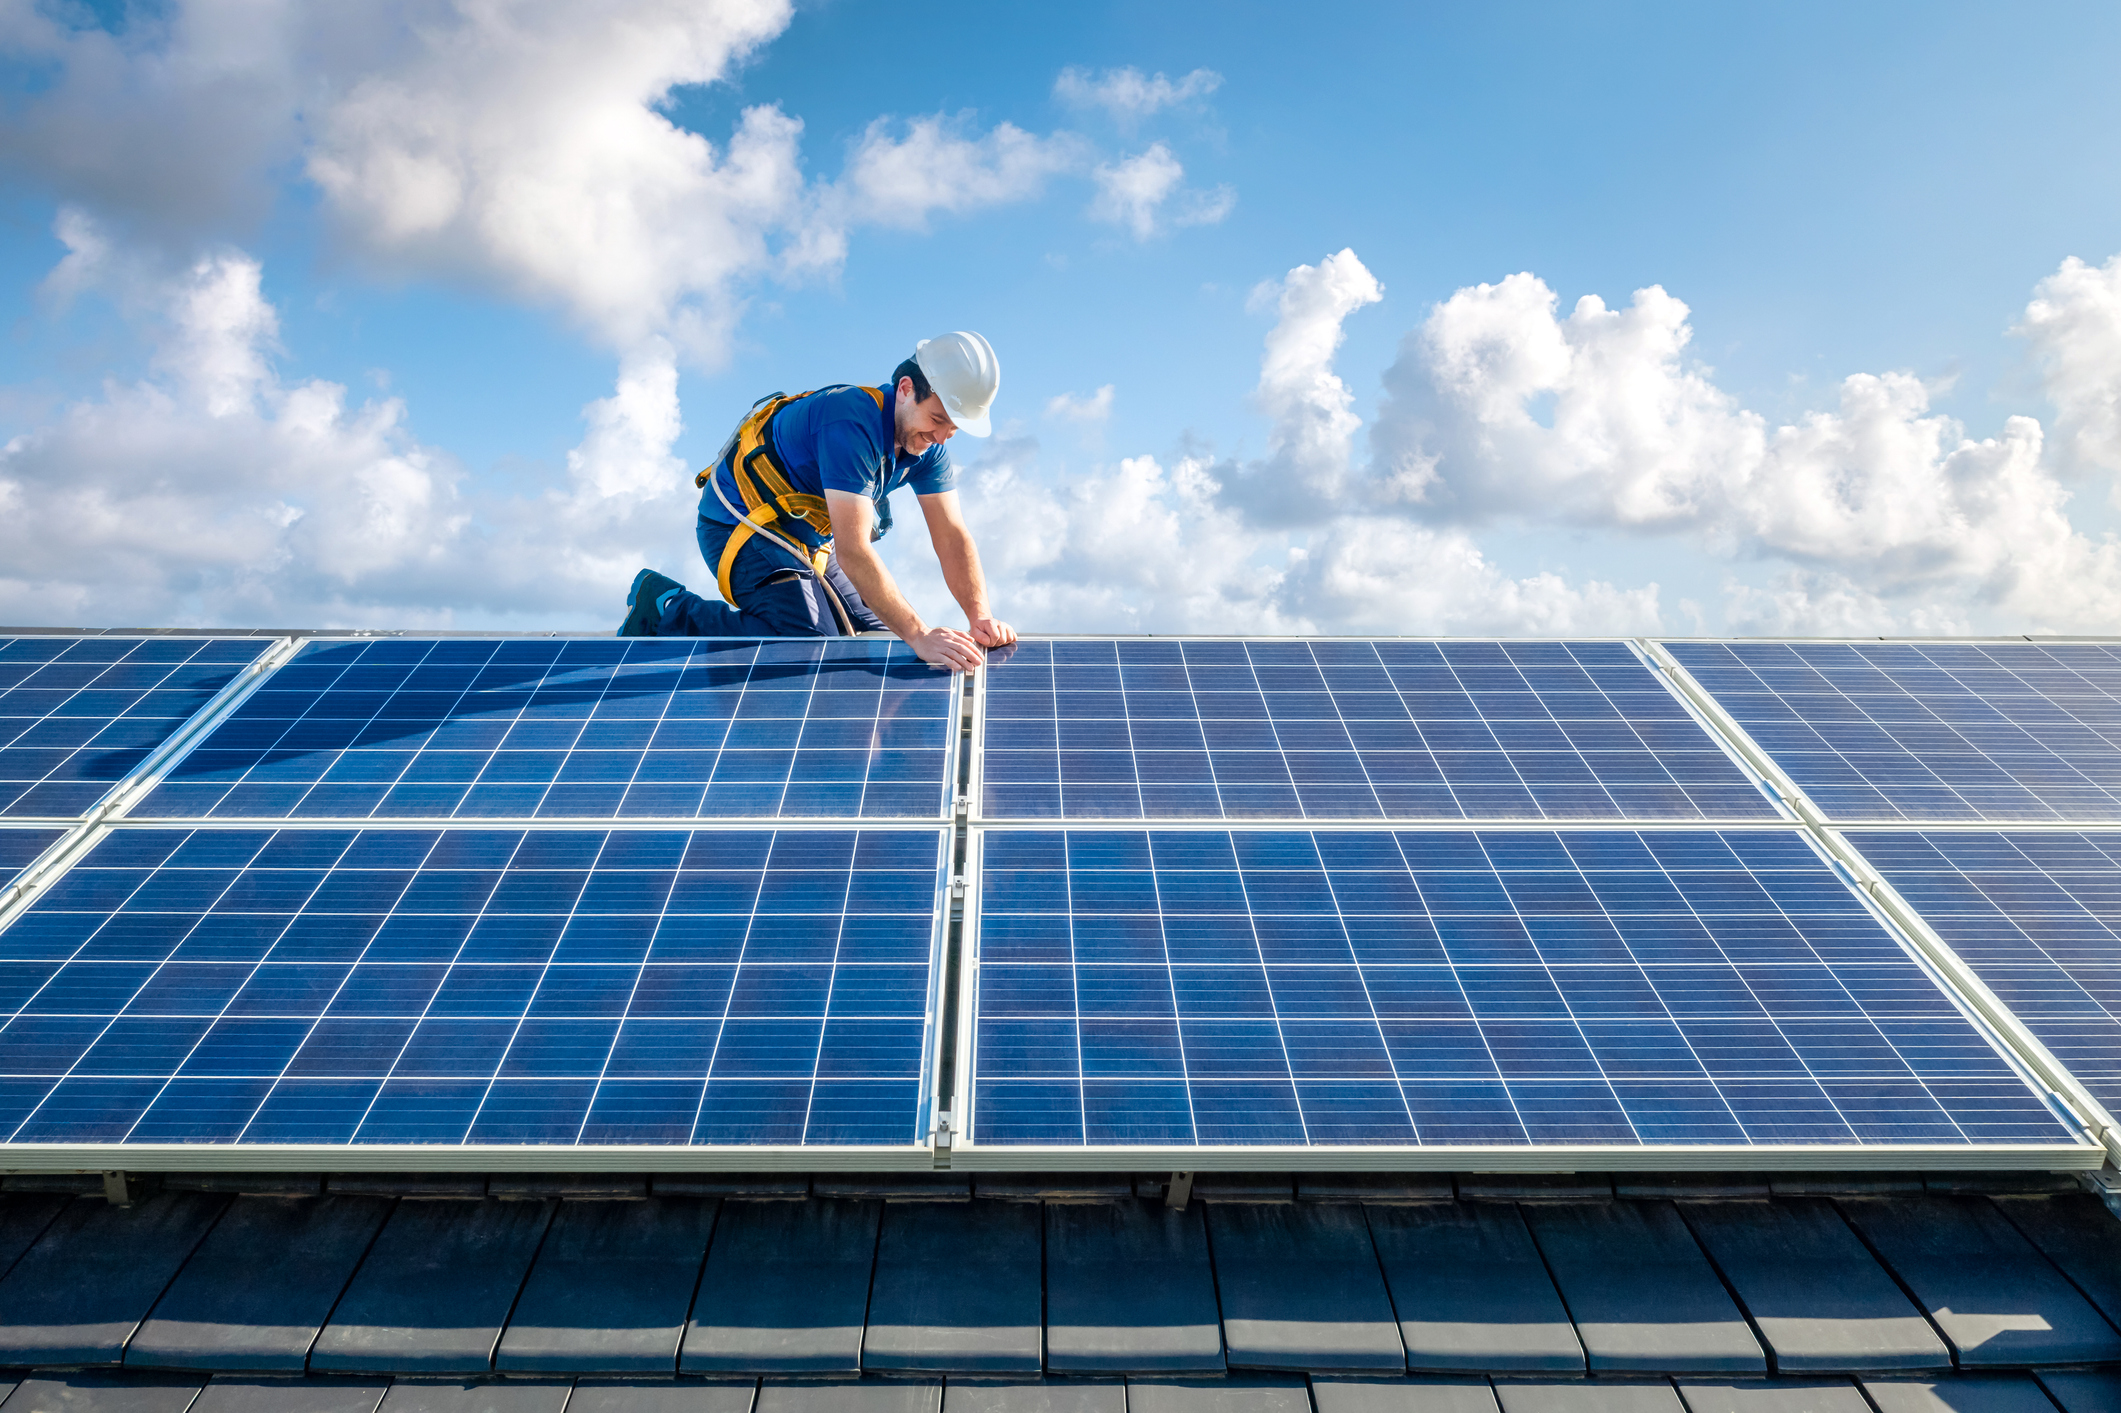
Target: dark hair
x=911, y=369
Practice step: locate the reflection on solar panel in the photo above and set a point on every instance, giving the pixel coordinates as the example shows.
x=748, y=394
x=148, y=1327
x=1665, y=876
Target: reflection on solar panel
x=78, y=714
x=1332, y=729
x=1200, y=988
x=474, y=986
x=581, y=729
x=1938, y=731
x=2038, y=918
x=19, y=848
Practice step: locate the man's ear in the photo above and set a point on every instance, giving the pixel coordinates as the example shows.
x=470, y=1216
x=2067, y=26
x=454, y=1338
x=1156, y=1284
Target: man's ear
x=904, y=388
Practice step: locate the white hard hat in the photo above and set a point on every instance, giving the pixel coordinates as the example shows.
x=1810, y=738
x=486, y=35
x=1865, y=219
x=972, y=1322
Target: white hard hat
x=965, y=374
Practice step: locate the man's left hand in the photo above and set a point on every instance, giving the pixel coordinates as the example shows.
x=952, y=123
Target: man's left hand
x=992, y=633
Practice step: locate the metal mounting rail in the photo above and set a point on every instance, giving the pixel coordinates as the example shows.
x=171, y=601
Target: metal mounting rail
x=134, y=787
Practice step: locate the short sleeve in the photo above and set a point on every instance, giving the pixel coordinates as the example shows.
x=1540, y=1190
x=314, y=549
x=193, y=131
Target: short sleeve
x=933, y=473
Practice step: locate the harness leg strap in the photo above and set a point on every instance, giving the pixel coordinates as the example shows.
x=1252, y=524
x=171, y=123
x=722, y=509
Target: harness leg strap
x=753, y=522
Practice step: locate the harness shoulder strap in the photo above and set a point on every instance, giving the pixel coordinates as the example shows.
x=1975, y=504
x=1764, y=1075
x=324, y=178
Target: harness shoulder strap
x=762, y=482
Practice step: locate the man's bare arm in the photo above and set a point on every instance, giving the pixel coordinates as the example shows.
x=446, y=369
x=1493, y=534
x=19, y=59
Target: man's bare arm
x=959, y=557
x=852, y=517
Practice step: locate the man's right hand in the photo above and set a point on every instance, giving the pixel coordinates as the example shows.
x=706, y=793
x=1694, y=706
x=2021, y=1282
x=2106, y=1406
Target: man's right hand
x=947, y=647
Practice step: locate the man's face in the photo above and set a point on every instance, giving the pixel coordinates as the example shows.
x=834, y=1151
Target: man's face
x=920, y=424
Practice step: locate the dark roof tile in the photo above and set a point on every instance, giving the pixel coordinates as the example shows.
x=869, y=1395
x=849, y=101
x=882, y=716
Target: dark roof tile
x=1643, y=1296
x=785, y=1289
x=1301, y=1288
x=1471, y=1290
x=1995, y=1297
x=260, y=1286
x=1819, y=1299
x=77, y=1295
x=610, y=1289
x=1129, y=1289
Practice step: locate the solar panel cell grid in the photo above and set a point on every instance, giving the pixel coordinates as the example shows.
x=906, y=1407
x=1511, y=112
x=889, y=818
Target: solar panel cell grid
x=77, y=715
x=1293, y=988
x=1331, y=729
x=474, y=986
x=1935, y=731
x=19, y=848
x=539, y=728
x=2038, y=918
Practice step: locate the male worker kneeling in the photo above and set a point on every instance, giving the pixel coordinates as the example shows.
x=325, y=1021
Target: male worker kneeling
x=793, y=502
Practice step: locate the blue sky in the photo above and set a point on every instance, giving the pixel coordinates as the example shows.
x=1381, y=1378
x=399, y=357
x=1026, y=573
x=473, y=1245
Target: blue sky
x=1829, y=193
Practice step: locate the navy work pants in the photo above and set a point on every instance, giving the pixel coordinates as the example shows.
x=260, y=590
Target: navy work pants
x=781, y=598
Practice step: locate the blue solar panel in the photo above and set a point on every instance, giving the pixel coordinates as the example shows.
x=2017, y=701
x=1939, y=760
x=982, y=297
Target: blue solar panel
x=1336, y=729
x=1436, y=988
x=475, y=986
x=77, y=715
x=19, y=848
x=580, y=729
x=2038, y=918
x=1933, y=731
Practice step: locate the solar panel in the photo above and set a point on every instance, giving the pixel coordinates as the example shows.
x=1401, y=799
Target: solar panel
x=1933, y=731
x=579, y=729
x=1337, y=729
x=475, y=986
x=1181, y=989
x=19, y=848
x=2038, y=918
x=77, y=715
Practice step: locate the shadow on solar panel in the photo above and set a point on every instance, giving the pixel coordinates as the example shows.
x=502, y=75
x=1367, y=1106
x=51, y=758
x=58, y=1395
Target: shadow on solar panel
x=682, y=729
x=1340, y=729
x=77, y=715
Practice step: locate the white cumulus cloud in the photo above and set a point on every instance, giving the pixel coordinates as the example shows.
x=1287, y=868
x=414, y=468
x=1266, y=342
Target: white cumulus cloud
x=215, y=492
x=524, y=146
x=169, y=128
x=1067, y=407
x=945, y=165
x=1272, y=546
x=1501, y=412
x=1128, y=94
x=2073, y=326
x=1143, y=194
x=521, y=147
x=1310, y=460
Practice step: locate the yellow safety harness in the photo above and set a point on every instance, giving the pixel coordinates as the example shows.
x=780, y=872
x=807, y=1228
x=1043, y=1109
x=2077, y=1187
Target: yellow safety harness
x=762, y=480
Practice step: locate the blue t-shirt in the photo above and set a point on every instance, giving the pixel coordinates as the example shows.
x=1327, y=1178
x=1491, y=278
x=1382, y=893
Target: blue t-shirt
x=838, y=439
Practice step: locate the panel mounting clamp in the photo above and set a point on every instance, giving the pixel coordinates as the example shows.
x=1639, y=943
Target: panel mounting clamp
x=1179, y=1191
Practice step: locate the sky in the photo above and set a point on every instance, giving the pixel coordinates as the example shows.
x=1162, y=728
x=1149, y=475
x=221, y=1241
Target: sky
x=1535, y=319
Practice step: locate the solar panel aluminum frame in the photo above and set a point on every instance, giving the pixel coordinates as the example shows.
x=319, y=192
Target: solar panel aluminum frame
x=288, y=649
x=50, y=862
x=2103, y=1126
x=916, y=1154
x=2082, y=1155
x=143, y=777
x=1710, y=728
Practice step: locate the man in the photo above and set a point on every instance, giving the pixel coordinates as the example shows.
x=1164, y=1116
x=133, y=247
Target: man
x=790, y=508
